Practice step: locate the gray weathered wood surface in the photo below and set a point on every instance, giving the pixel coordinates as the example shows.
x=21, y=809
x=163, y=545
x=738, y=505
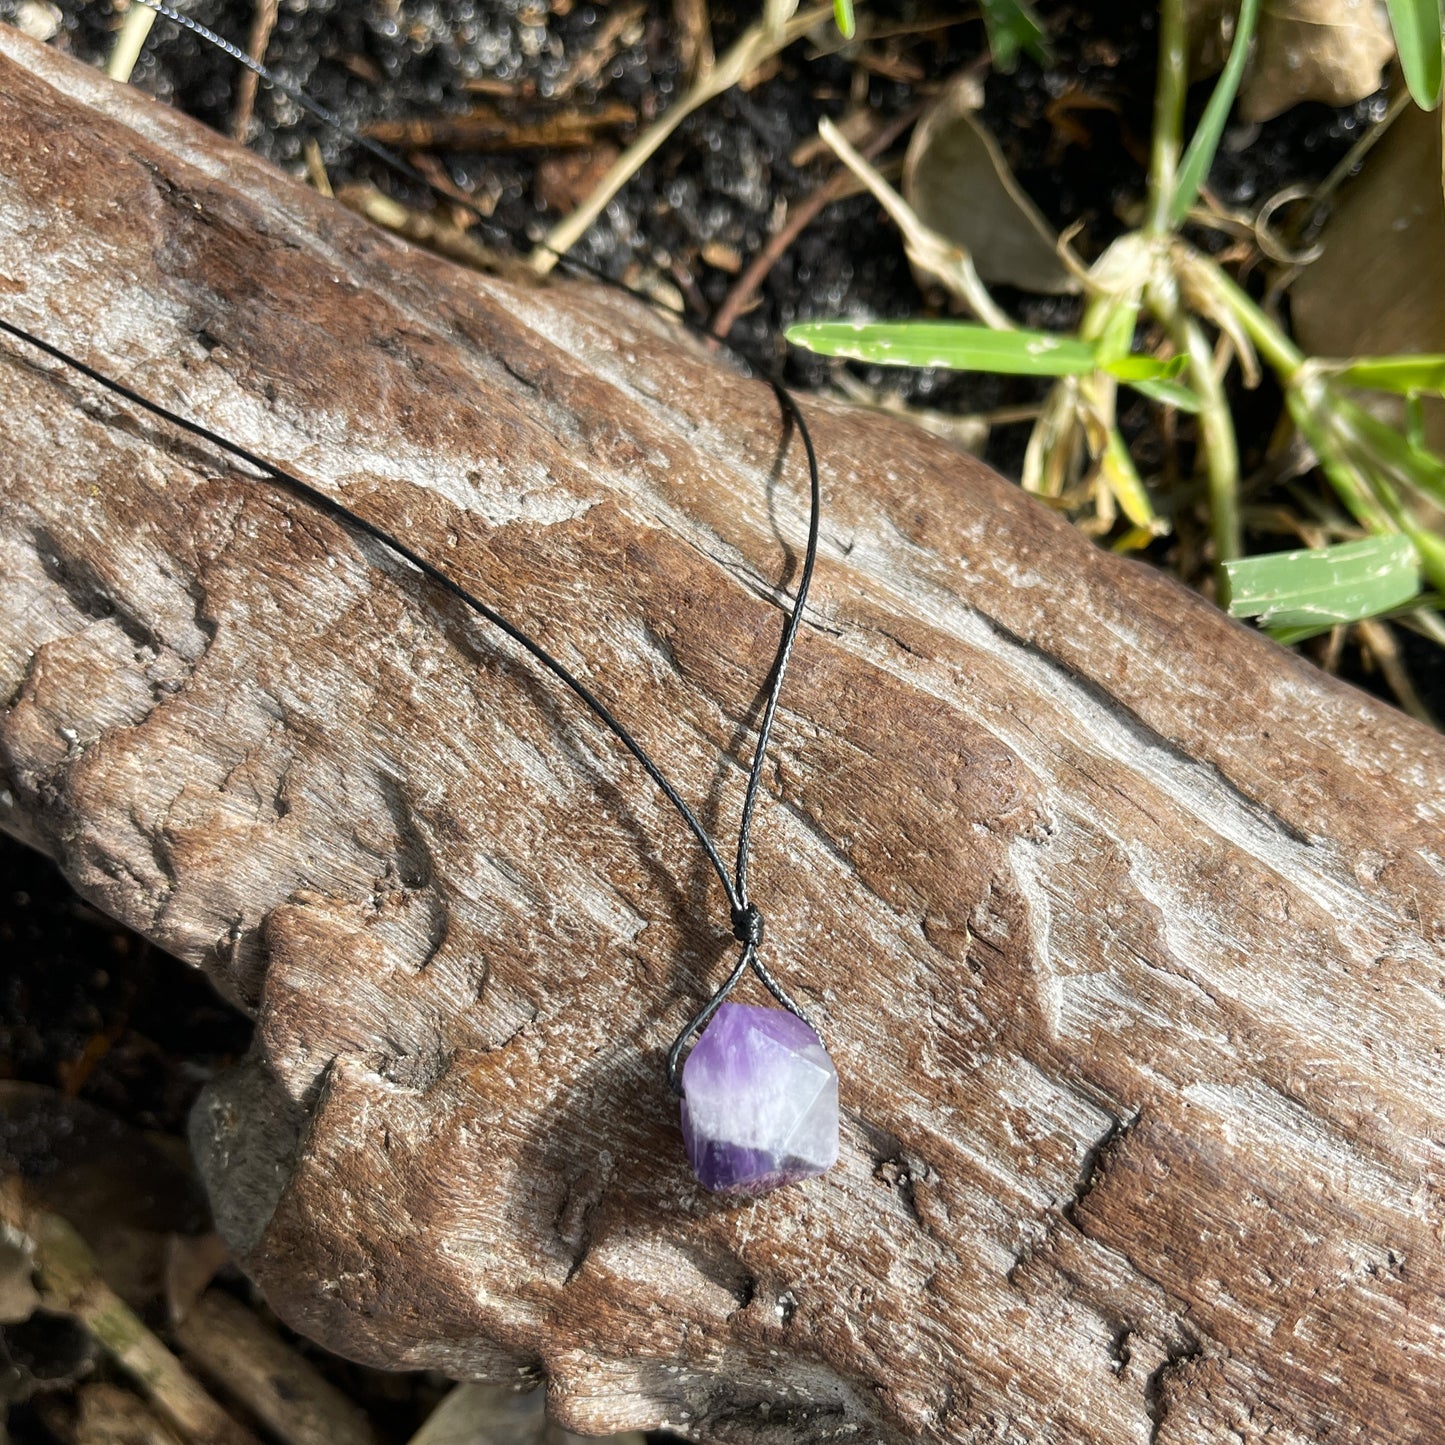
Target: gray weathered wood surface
x=1124, y=926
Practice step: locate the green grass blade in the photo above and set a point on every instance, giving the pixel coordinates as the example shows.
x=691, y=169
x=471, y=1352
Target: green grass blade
x=1122, y=478
x=1425, y=602
x=1116, y=335
x=965, y=346
x=1415, y=424
x=1343, y=475
x=1141, y=368
x=1205, y=142
x=956, y=345
x=1168, y=393
x=1368, y=463
x=1407, y=375
x=844, y=18
x=1321, y=587
x=1383, y=450
x=1416, y=24
x=1012, y=28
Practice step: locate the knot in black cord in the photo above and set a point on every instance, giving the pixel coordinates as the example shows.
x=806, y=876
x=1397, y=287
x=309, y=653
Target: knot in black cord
x=748, y=925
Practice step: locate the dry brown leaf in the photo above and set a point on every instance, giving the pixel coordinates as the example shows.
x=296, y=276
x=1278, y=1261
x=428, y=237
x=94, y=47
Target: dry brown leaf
x=959, y=184
x=1379, y=285
x=1327, y=50
x=564, y=180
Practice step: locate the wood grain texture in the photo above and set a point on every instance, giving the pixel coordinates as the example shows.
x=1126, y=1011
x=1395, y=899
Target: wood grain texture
x=1124, y=926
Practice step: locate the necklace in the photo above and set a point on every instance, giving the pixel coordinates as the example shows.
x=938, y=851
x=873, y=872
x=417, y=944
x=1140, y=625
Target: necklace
x=758, y=1091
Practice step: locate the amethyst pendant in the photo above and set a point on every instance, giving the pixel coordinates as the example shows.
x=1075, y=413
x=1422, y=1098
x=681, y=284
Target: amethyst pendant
x=759, y=1102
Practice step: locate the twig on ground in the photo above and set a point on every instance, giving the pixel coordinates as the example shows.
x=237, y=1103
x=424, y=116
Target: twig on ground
x=756, y=44
x=870, y=29
x=134, y=31
x=69, y=1283
x=316, y=168
x=1379, y=641
x=590, y=64
x=271, y=1379
x=263, y=22
x=948, y=263
x=694, y=39
x=109, y=1415
x=485, y=128
x=432, y=229
x=842, y=183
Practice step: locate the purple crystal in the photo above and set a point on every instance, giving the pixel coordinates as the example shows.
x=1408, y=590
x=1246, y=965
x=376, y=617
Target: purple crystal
x=759, y=1102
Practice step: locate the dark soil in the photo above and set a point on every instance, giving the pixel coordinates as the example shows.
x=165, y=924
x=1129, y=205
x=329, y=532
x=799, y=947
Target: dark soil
x=1076, y=135
x=89, y=1010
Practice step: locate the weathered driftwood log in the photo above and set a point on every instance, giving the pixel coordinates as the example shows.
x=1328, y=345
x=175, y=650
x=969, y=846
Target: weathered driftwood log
x=1124, y=926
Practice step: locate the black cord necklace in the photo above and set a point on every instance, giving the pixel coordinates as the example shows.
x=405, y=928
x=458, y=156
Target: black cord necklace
x=759, y=1094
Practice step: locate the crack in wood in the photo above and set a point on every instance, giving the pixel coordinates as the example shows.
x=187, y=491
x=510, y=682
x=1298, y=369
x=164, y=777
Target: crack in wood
x=1095, y=1166
x=1160, y=1387
x=87, y=591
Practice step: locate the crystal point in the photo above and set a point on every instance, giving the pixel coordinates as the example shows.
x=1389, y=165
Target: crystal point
x=759, y=1102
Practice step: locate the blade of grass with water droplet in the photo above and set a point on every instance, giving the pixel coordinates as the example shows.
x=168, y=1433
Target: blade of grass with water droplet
x=960, y=346
x=1321, y=587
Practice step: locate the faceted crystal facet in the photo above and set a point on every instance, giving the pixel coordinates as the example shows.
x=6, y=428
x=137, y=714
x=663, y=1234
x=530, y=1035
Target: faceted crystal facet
x=759, y=1102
